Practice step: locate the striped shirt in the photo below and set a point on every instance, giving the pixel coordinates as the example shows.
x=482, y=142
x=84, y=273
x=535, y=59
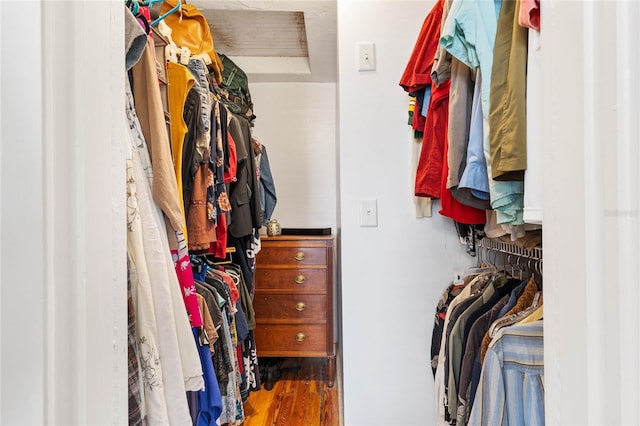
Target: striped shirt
x=511, y=389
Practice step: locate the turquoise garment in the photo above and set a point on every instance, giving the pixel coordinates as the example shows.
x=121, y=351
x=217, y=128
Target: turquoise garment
x=469, y=33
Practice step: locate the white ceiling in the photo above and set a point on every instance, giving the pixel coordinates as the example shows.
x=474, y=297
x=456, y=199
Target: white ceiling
x=277, y=40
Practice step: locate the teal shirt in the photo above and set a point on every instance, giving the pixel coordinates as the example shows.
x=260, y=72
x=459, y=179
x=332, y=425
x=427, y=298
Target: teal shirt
x=469, y=33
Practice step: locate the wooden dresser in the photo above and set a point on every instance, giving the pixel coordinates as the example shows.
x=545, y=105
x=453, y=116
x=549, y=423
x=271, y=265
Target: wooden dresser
x=293, y=298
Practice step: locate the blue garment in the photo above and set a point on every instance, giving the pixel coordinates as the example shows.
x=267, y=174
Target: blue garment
x=209, y=400
x=511, y=390
x=425, y=105
x=242, y=328
x=477, y=364
x=513, y=298
x=267, y=187
x=200, y=273
x=423, y=97
x=475, y=176
x=419, y=95
x=469, y=33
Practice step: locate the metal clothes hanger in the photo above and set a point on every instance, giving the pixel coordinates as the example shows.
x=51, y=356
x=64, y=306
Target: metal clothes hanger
x=483, y=263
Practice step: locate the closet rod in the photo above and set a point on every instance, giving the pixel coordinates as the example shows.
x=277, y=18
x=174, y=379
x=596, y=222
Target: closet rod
x=491, y=244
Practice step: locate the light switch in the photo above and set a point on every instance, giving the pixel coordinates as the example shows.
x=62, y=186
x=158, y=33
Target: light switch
x=366, y=57
x=369, y=212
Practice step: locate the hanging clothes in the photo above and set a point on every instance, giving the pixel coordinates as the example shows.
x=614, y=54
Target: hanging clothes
x=507, y=116
x=155, y=404
x=478, y=21
x=175, y=341
x=180, y=82
x=209, y=399
x=179, y=177
x=473, y=187
x=486, y=303
x=494, y=291
x=511, y=390
x=474, y=285
x=417, y=76
x=472, y=353
x=268, y=198
x=244, y=194
x=150, y=112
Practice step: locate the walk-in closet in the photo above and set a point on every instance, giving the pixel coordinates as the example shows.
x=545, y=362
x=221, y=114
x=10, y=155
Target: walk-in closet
x=269, y=212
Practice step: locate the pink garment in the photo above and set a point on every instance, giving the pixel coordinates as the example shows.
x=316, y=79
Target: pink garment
x=529, y=14
x=185, y=278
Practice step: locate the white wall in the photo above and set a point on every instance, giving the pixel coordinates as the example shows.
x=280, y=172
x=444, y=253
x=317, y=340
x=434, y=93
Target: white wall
x=63, y=318
x=21, y=277
x=392, y=275
x=297, y=124
x=592, y=212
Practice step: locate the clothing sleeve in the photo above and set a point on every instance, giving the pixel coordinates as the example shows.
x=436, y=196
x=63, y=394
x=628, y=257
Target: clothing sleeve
x=268, y=196
x=417, y=73
x=529, y=14
x=458, y=34
x=207, y=320
x=135, y=39
x=489, y=406
x=441, y=70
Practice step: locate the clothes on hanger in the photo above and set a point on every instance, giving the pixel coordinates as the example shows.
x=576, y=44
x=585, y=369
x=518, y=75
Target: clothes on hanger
x=511, y=389
x=466, y=315
x=192, y=182
x=471, y=58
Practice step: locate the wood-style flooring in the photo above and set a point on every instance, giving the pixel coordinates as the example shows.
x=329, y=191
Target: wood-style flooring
x=300, y=398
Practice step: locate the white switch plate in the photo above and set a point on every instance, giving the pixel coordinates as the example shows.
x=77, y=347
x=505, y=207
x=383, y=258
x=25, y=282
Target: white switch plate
x=369, y=212
x=366, y=56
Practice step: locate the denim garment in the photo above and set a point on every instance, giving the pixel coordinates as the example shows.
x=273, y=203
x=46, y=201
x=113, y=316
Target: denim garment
x=268, y=197
x=199, y=71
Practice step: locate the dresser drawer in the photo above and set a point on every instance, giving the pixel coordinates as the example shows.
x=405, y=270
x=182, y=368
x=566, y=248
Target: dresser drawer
x=292, y=307
x=292, y=256
x=298, y=279
x=280, y=340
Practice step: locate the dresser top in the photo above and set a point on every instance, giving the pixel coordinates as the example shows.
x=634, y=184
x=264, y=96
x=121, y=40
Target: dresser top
x=296, y=237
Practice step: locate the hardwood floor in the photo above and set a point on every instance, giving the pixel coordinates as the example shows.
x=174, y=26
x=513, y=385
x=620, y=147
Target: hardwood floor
x=300, y=398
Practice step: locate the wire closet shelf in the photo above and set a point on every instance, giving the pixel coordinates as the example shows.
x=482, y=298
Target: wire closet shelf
x=490, y=244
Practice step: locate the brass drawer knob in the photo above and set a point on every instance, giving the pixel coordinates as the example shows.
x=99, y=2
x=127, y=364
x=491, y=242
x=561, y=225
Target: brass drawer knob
x=300, y=307
x=300, y=256
x=300, y=279
x=300, y=337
